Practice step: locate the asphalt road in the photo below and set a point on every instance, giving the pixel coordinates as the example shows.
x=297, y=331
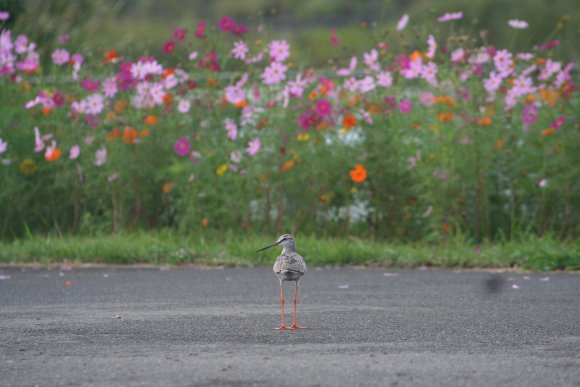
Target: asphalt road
x=157, y=327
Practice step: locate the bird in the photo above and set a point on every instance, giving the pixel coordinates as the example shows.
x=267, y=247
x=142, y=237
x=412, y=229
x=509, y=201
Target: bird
x=289, y=266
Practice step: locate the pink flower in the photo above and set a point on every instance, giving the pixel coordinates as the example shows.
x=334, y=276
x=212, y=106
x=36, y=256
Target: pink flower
x=64, y=38
x=405, y=106
x=518, y=24
x=94, y=104
x=450, y=16
x=182, y=147
x=429, y=73
x=279, y=50
x=3, y=146
x=530, y=114
x=370, y=60
x=183, y=106
x=403, y=22
x=432, y=43
x=226, y=24
x=101, y=157
x=458, y=55
x=4, y=15
x=391, y=103
x=240, y=50
x=234, y=95
x=385, y=79
x=349, y=70
x=74, y=152
x=253, y=146
x=427, y=98
x=323, y=108
x=60, y=56
x=231, y=128
x=110, y=87
x=275, y=73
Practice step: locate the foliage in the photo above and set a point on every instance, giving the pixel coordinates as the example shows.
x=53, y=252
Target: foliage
x=426, y=135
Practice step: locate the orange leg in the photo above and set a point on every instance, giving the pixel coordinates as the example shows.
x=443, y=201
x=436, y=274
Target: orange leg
x=294, y=324
x=283, y=325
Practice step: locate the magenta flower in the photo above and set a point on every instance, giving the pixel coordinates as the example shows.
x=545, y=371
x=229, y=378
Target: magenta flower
x=449, y=16
x=405, y=106
x=240, y=29
x=226, y=24
x=253, y=146
x=530, y=114
x=323, y=108
x=90, y=85
x=4, y=15
x=333, y=38
x=169, y=47
x=391, y=103
x=200, y=30
x=558, y=122
x=60, y=56
x=549, y=45
x=182, y=147
x=180, y=34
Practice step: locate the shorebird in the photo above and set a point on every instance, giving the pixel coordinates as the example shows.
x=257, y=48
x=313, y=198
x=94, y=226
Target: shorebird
x=289, y=266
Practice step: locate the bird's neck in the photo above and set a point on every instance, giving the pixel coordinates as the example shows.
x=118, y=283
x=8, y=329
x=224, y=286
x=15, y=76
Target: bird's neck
x=288, y=249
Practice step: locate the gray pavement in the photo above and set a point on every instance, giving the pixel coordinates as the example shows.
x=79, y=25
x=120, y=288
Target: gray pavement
x=367, y=327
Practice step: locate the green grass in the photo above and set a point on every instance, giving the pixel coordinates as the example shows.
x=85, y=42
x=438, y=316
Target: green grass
x=533, y=253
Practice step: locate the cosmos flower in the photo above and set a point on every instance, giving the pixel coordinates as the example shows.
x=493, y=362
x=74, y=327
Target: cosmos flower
x=253, y=146
x=101, y=157
x=60, y=56
x=74, y=152
x=231, y=128
x=279, y=50
x=323, y=108
x=240, y=50
x=183, y=106
x=518, y=24
x=403, y=22
x=274, y=74
x=405, y=106
x=449, y=16
x=3, y=146
x=182, y=147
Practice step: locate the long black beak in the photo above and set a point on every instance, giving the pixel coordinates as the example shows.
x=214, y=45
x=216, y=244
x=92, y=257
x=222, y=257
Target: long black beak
x=267, y=247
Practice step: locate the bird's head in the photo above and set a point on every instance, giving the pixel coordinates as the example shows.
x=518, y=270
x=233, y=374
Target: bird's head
x=286, y=241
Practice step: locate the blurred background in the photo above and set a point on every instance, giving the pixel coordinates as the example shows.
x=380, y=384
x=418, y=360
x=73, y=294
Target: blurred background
x=134, y=27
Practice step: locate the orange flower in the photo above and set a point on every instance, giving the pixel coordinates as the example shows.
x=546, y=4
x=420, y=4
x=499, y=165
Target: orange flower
x=130, y=135
x=445, y=117
x=349, y=121
x=120, y=106
x=111, y=56
x=358, y=174
x=550, y=96
x=205, y=222
x=144, y=133
x=111, y=136
x=446, y=227
x=151, y=119
x=111, y=116
x=212, y=82
x=548, y=132
x=168, y=98
x=499, y=143
x=46, y=111
x=530, y=98
x=485, y=121
x=52, y=153
x=287, y=165
x=445, y=99
x=262, y=123
x=313, y=94
x=167, y=187
x=168, y=71
x=415, y=55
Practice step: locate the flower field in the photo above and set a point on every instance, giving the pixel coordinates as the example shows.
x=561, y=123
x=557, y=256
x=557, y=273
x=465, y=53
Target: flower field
x=422, y=135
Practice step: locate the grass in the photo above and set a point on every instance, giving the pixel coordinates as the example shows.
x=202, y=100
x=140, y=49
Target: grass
x=533, y=253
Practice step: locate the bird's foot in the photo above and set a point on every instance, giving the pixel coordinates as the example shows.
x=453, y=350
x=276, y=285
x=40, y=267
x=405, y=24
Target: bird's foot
x=296, y=326
x=283, y=328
